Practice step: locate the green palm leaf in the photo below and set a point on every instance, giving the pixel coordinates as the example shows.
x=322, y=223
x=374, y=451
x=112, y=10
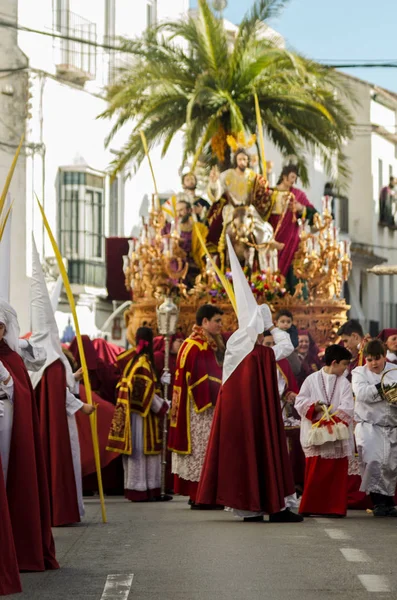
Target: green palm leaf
x=190, y=76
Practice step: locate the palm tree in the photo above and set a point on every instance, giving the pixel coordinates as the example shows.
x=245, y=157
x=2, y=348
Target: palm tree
x=190, y=76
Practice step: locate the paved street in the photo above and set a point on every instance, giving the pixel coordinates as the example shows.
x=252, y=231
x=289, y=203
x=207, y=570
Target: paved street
x=174, y=553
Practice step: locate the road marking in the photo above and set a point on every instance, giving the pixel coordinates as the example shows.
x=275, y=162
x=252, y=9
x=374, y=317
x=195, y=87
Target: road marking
x=323, y=520
x=117, y=586
x=337, y=534
x=375, y=583
x=355, y=555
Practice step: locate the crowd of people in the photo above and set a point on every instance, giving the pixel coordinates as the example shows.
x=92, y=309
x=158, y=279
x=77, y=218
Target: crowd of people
x=261, y=421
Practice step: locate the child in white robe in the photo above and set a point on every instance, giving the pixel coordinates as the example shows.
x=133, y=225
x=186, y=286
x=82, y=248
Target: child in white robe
x=326, y=477
x=376, y=429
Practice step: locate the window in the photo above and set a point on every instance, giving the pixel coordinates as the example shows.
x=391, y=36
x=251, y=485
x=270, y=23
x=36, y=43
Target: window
x=81, y=228
x=151, y=13
x=75, y=60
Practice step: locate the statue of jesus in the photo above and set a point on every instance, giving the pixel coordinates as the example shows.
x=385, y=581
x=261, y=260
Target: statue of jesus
x=230, y=191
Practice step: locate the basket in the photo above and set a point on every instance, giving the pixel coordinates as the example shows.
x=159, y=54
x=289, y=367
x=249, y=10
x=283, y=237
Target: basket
x=389, y=393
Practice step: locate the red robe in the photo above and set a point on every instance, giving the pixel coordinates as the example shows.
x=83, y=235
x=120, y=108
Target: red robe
x=54, y=431
x=288, y=233
x=246, y=465
x=295, y=452
x=9, y=575
x=27, y=487
x=111, y=464
x=104, y=376
x=198, y=378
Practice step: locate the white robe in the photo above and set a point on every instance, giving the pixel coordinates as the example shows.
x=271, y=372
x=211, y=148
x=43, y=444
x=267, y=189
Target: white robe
x=33, y=358
x=73, y=404
x=376, y=431
x=342, y=402
x=142, y=472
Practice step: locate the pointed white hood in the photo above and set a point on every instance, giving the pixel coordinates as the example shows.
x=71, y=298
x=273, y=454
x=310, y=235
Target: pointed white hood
x=252, y=318
x=8, y=316
x=56, y=294
x=44, y=327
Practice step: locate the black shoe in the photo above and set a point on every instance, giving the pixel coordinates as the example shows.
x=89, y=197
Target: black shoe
x=392, y=511
x=285, y=516
x=381, y=510
x=164, y=498
x=258, y=519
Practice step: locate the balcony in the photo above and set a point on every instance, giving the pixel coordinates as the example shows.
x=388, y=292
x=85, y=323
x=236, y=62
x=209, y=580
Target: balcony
x=75, y=59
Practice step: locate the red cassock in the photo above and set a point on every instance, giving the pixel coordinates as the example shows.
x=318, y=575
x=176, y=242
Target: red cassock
x=27, y=487
x=9, y=575
x=247, y=465
x=296, y=455
x=54, y=431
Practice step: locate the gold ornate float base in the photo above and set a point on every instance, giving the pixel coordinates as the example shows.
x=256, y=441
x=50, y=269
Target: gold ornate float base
x=322, y=317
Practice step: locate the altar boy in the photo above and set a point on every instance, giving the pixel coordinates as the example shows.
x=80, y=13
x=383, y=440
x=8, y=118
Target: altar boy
x=326, y=399
x=376, y=429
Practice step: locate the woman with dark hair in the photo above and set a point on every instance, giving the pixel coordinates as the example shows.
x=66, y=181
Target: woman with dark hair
x=308, y=353
x=136, y=430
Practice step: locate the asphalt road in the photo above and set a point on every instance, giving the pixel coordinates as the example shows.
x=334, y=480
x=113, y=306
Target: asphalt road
x=166, y=551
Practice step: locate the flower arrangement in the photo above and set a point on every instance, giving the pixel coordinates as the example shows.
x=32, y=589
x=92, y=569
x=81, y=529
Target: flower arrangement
x=266, y=285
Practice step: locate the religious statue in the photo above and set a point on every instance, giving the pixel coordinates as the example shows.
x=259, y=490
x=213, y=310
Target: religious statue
x=188, y=241
x=290, y=205
x=242, y=205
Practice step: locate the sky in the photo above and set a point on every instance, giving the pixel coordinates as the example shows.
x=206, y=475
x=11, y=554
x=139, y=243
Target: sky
x=337, y=29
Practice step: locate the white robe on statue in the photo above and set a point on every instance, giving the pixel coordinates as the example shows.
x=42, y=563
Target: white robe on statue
x=142, y=472
x=376, y=431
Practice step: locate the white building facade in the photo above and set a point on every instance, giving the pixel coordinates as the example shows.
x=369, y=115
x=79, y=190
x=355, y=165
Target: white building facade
x=67, y=164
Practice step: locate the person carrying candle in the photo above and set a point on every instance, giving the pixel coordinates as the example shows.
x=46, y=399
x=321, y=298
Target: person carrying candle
x=326, y=402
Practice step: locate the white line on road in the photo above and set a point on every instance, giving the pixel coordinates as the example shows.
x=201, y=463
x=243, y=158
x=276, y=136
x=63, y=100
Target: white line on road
x=375, y=583
x=337, y=534
x=117, y=586
x=355, y=555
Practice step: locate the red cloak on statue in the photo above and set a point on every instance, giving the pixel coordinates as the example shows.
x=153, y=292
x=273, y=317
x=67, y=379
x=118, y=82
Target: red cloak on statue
x=9, y=575
x=27, y=487
x=54, y=431
x=247, y=465
x=288, y=232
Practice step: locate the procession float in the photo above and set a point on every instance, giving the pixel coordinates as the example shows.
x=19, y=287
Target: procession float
x=181, y=259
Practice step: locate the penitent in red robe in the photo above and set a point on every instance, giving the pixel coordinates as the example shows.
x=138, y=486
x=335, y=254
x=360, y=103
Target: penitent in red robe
x=9, y=575
x=54, y=431
x=27, y=487
x=247, y=465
